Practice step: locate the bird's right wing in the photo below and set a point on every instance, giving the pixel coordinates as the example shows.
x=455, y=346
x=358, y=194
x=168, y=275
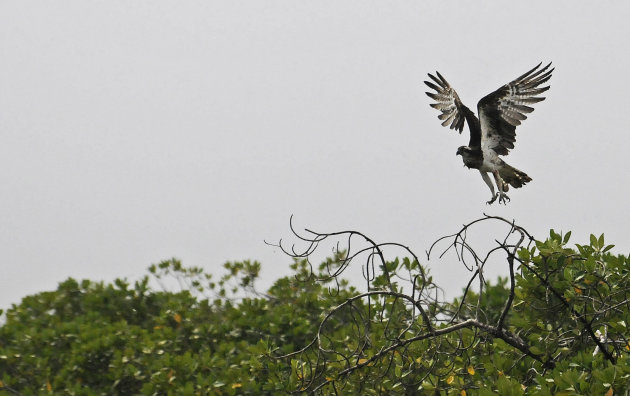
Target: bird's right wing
x=453, y=111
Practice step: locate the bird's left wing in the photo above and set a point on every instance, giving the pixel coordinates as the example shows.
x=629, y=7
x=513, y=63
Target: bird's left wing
x=503, y=110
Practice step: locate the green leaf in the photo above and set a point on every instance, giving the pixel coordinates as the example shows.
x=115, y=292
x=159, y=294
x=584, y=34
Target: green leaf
x=567, y=273
x=560, y=261
x=508, y=387
x=565, y=240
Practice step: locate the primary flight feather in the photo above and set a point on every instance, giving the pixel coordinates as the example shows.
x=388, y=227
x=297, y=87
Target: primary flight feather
x=494, y=132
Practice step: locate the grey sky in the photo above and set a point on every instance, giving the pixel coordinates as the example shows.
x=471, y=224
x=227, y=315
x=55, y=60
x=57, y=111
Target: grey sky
x=134, y=131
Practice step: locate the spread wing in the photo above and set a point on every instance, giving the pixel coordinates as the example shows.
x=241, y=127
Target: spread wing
x=453, y=111
x=503, y=110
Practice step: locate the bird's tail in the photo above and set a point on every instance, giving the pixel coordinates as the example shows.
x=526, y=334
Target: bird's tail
x=514, y=177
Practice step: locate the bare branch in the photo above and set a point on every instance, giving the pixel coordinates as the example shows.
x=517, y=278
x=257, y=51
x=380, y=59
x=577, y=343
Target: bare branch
x=401, y=315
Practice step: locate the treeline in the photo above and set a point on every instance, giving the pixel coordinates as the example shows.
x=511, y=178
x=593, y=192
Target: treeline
x=557, y=325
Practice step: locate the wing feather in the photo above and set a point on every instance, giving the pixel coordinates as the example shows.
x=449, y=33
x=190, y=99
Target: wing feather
x=504, y=109
x=453, y=113
x=447, y=102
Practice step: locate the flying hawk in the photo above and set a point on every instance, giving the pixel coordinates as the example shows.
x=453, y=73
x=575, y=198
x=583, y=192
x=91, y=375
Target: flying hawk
x=493, y=133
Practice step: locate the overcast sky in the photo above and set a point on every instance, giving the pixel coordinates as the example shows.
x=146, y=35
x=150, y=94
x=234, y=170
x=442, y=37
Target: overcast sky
x=136, y=131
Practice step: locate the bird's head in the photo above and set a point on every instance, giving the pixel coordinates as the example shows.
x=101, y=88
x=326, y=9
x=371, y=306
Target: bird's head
x=461, y=150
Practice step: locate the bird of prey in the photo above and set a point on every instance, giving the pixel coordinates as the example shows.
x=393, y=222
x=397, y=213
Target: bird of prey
x=493, y=133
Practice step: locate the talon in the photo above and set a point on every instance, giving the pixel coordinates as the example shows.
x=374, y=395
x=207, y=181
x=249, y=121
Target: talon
x=503, y=198
x=494, y=198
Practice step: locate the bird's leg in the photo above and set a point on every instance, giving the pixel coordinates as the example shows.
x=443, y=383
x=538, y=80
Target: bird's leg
x=486, y=178
x=503, y=198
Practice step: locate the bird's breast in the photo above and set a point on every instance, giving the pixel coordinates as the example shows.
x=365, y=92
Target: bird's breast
x=472, y=159
x=490, y=163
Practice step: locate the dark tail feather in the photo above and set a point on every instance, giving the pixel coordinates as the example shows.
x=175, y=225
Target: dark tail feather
x=514, y=177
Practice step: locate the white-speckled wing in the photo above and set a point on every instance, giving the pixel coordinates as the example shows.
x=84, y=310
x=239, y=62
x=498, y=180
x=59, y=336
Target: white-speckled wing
x=503, y=110
x=447, y=102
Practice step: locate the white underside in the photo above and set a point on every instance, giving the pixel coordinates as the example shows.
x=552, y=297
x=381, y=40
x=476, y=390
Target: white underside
x=491, y=161
x=492, y=164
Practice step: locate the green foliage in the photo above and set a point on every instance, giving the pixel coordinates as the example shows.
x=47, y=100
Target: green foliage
x=95, y=338
x=225, y=337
